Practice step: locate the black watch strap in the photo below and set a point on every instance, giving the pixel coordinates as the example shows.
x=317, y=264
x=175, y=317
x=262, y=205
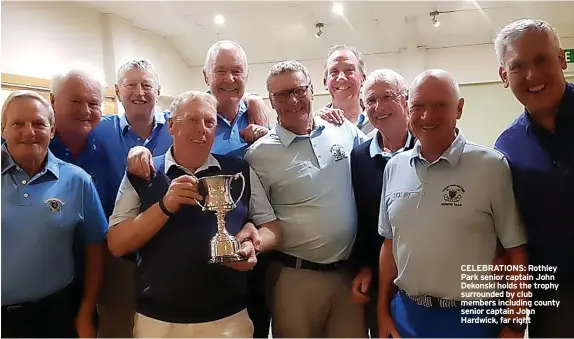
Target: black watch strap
x=164, y=209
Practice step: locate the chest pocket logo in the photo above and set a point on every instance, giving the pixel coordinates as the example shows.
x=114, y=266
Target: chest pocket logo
x=452, y=195
x=55, y=204
x=338, y=152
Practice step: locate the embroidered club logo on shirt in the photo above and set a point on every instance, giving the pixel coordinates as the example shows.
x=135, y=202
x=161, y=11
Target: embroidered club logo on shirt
x=338, y=152
x=452, y=195
x=55, y=204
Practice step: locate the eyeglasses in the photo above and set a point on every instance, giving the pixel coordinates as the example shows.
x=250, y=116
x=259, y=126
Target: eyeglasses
x=299, y=92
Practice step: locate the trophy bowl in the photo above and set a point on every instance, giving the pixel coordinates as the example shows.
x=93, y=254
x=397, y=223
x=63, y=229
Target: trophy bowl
x=223, y=246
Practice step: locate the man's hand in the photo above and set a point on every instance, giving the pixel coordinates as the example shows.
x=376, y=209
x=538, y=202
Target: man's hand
x=387, y=327
x=247, y=251
x=183, y=190
x=139, y=162
x=257, y=111
x=360, y=287
x=249, y=232
x=85, y=324
x=252, y=132
x=332, y=115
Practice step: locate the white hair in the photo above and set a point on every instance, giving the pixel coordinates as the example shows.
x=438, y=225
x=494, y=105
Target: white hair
x=438, y=74
x=28, y=95
x=191, y=96
x=386, y=76
x=86, y=73
x=287, y=66
x=141, y=64
x=218, y=46
x=513, y=31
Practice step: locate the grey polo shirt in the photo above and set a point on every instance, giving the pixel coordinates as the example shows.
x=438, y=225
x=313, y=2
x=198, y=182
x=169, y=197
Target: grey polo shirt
x=308, y=181
x=128, y=201
x=447, y=214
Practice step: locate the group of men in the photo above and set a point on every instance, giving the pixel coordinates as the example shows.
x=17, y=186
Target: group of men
x=354, y=221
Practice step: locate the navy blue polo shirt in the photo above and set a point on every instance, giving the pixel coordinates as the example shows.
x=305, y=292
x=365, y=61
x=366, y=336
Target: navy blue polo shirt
x=94, y=160
x=40, y=218
x=542, y=165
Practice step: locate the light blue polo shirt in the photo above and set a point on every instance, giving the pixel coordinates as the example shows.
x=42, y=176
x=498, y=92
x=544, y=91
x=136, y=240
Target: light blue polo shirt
x=227, y=139
x=447, y=214
x=308, y=182
x=117, y=137
x=40, y=217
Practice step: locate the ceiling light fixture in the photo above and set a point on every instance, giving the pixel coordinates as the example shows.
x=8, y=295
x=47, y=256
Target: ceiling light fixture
x=433, y=15
x=218, y=19
x=319, y=27
x=338, y=8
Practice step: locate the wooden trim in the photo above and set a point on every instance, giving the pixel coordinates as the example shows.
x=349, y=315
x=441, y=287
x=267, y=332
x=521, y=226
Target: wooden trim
x=26, y=82
x=16, y=82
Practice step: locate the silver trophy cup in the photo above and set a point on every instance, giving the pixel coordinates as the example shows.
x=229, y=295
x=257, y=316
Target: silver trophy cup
x=223, y=246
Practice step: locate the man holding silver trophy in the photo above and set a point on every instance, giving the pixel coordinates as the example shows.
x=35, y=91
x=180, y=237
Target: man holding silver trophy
x=192, y=236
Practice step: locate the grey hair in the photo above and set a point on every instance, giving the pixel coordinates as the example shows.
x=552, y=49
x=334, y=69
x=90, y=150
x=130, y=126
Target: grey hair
x=28, y=95
x=437, y=74
x=513, y=31
x=83, y=72
x=191, y=96
x=352, y=49
x=387, y=76
x=288, y=66
x=141, y=64
x=218, y=46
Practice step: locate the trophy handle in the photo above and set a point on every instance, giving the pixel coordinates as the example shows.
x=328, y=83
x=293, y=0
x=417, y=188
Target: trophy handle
x=235, y=177
x=199, y=204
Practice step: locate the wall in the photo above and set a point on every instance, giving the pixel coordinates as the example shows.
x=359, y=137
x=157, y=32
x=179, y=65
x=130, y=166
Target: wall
x=41, y=38
x=489, y=107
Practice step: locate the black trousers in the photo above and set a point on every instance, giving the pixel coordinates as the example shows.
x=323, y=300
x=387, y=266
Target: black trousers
x=257, y=305
x=51, y=317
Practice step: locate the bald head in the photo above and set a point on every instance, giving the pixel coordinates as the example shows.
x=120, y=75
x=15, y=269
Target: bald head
x=437, y=76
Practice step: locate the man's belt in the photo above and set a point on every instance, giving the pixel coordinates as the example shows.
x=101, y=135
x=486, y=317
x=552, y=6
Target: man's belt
x=430, y=301
x=294, y=262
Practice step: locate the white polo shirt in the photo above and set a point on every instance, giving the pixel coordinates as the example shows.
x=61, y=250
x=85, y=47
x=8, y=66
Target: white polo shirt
x=308, y=181
x=447, y=214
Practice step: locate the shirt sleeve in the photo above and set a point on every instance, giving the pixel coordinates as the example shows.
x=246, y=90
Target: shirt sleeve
x=94, y=226
x=127, y=203
x=260, y=209
x=507, y=222
x=385, y=228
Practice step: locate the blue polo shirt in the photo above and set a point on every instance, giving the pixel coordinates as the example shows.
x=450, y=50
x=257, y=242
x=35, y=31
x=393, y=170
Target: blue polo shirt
x=40, y=217
x=542, y=165
x=227, y=139
x=94, y=161
x=117, y=137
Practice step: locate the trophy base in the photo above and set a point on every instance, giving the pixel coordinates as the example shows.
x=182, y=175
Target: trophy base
x=226, y=259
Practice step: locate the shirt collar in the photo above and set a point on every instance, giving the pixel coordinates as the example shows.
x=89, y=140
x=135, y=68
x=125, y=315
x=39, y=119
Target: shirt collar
x=57, y=146
x=241, y=110
x=50, y=166
x=451, y=155
x=362, y=119
x=170, y=161
x=287, y=137
x=158, y=119
x=375, y=149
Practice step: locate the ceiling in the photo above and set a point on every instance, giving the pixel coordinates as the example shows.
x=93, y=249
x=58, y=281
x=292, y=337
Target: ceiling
x=275, y=30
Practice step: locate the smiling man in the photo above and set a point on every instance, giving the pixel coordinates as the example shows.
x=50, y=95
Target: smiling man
x=539, y=145
x=385, y=98
x=444, y=204
x=343, y=78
